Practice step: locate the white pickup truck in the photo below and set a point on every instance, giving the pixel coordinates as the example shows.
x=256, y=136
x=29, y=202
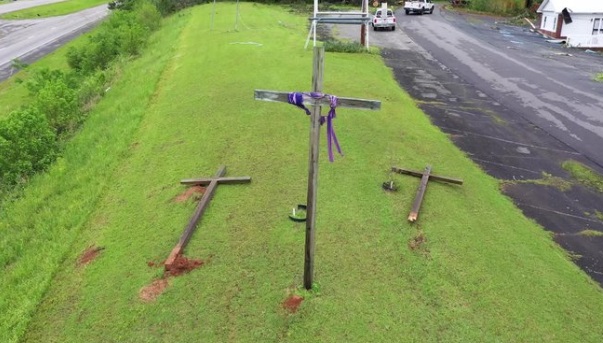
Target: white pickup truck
x=418, y=6
x=384, y=18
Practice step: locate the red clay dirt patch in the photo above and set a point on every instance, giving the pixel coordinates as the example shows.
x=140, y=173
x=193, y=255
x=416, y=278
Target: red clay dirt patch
x=292, y=303
x=183, y=265
x=152, y=291
x=88, y=255
x=189, y=192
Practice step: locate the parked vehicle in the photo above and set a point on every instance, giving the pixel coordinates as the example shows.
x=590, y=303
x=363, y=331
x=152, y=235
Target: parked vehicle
x=384, y=18
x=419, y=6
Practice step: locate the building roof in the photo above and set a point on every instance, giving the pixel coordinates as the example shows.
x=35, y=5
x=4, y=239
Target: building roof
x=573, y=6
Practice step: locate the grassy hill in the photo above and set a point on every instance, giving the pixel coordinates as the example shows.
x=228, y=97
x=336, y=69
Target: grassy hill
x=472, y=269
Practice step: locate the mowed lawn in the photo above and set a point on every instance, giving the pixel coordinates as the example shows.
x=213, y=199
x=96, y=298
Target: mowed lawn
x=472, y=269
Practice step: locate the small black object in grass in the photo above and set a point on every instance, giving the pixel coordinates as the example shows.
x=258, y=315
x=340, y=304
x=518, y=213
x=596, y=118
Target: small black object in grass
x=298, y=214
x=390, y=186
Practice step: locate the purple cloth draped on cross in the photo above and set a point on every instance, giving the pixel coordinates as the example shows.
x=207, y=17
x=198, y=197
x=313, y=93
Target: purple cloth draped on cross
x=297, y=99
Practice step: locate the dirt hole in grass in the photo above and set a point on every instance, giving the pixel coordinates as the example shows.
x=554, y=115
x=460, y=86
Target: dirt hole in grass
x=291, y=304
x=152, y=291
x=181, y=265
x=417, y=242
x=194, y=191
x=89, y=255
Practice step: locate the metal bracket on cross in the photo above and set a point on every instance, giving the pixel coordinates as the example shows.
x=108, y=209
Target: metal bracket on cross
x=315, y=120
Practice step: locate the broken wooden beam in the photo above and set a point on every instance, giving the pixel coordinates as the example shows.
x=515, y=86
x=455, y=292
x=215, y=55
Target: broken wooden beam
x=414, y=213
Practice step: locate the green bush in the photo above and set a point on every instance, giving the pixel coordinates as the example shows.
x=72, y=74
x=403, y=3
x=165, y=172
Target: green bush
x=498, y=6
x=92, y=87
x=27, y=145
x=56, y=97
x=148, y=16
x=347, y=47
x=167, y=7
x=30, y=138
x=124, y=34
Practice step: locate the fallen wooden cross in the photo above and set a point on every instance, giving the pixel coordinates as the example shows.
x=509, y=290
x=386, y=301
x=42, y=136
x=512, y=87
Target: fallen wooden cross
x=315, y=117
x=425, y=177
x=212, y=184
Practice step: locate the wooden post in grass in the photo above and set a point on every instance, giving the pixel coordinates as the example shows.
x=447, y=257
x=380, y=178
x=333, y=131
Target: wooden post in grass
x=212, y=184
x=425, y=176
x=317, y=80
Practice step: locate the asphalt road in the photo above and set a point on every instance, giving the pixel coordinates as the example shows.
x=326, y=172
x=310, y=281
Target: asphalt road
x=23, y=4
x=27, y=40
x=516, y=104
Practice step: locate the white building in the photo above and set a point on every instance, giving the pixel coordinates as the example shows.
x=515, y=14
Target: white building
x=580, y=22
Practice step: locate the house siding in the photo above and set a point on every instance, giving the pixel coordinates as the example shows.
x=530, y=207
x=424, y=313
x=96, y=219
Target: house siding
x=551, y=24
x=582, y=24
x=580, y=31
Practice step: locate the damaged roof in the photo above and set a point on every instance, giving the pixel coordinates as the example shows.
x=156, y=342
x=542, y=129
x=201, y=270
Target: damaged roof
x=573, y=6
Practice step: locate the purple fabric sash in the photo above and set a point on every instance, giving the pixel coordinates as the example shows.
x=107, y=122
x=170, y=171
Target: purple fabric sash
x=297, y=99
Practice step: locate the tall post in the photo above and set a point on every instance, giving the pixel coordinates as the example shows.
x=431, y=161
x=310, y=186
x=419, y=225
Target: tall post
x=363, y=26
x=317, y=79
x=314, y=23
x=237, y=18
x=213, y=12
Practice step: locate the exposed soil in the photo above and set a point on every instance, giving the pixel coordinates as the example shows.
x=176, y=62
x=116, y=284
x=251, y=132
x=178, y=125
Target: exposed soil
x=291, y=304
x=152, y=291
x=417, y=242
x=183, y=265
x=89, y=255
x=193, y=191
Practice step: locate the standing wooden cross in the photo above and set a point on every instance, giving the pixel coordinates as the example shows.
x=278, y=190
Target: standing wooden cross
x=212, y=184
x=317, y=80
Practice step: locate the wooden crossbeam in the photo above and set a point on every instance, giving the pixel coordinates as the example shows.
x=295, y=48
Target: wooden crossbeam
x=200, y=209
x=431, y=176
x=276, y=96
x=224, y=180
x=414, y=212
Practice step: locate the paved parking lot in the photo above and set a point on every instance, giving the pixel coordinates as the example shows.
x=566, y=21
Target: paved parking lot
x=518, y=105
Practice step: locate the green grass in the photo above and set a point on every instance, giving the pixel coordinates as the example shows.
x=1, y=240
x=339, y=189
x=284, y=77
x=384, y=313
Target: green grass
x=39, y=227
x=472, y=269
x=546, y=180
x=598, y=77
x=53, y=10
x=591, y=233
x=14, y=94
x=584, y=175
